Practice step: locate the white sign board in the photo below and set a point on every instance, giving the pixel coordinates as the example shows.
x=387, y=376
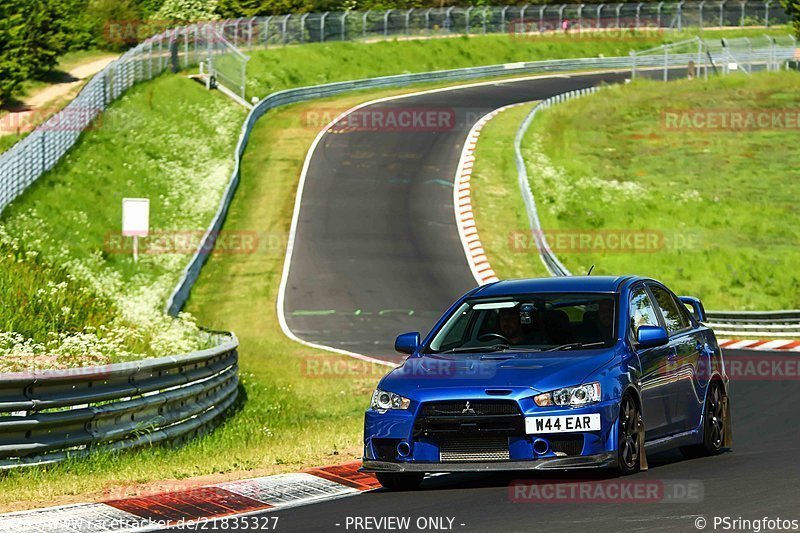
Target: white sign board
x=135, y=217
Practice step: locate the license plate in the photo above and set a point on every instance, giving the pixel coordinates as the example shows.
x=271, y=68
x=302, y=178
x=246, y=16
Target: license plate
x=562, y=423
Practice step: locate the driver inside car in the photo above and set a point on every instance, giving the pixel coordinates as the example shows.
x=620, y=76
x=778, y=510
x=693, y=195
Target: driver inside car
x=517, y=333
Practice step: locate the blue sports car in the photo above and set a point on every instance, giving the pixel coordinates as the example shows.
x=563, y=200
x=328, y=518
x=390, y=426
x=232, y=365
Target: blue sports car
x=551, y=373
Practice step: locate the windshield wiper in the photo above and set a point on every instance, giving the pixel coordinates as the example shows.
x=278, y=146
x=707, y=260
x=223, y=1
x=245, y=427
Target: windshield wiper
x=494, y=348
x=572, y=345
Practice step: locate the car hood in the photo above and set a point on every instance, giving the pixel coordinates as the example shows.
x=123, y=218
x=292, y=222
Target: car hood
x=537, y=371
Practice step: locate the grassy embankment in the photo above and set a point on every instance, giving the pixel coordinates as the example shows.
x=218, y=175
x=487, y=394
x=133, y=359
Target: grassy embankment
x=721, y=202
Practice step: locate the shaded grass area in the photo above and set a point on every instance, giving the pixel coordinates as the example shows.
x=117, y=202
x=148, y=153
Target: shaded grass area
x=275, y=69
x=720, y=203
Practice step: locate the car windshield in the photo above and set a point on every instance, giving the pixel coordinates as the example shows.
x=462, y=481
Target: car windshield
x=536, y=322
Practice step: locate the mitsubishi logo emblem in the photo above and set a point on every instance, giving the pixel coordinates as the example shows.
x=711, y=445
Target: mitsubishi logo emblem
x=468, y=410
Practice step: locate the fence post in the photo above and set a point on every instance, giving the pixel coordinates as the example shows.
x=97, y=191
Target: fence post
x=503, y=19
x=561, y=15
x=700, y=12
x=722, y=13
x=666, y=63
x=541, y=18
x=580, y=17
x=466, y=21
x=322, y=27
x=386, y=22
x=599, y=9
x=522, y=15
x=766, y=13
x=428, y=21
x=741, y=19
x=284, y=22
x=364, y=23
x=619, y=7
x=658, y=13
x=633, y=64
x=680, y=15
x=408, y=19
x=303, y=18
x=485, y=9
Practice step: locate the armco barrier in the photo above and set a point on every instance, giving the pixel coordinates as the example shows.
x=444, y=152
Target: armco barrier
x=51, y=415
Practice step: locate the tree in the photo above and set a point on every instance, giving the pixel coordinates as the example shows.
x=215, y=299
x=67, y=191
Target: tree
x=13, y=67
x=187, y=10
x=793, y=10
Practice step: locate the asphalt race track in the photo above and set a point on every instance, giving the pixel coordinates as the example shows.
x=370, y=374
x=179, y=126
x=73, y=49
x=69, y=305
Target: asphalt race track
x=377, y=253
x=758, y=478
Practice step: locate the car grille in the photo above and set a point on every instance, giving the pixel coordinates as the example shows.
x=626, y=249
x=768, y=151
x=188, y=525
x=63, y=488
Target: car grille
x=482, y=418
x=568, y=444
x=465, y=450
x=475, y=408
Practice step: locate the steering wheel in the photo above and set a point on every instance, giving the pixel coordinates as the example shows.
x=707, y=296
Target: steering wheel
x=494, y=336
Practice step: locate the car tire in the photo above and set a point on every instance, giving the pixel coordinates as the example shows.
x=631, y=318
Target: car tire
x=714, y=421
x=629, y=441
x=400, y=481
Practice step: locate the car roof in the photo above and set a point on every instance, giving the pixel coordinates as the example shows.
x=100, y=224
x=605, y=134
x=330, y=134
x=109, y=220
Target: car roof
x=554, y=284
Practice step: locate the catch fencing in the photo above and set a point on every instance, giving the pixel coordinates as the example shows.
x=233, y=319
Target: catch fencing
x=49, y=416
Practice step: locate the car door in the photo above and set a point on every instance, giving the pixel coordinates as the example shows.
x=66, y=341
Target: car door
x=685, y=344
x=658, y=398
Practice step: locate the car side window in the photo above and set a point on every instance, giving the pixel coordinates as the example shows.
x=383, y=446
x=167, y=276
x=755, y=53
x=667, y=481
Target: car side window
x=685, y=316
x=642, y=312
x=672, y=317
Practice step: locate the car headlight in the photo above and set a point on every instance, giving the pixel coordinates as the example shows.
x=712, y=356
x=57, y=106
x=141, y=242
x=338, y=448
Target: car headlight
x=570, y=396
x=382, y=401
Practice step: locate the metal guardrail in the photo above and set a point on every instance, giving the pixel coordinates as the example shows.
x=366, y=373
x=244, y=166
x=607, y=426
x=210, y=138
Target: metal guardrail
x=784, y=323
x=52, y=415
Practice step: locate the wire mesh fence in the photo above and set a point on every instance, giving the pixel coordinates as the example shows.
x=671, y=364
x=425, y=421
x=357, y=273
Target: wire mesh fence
x=699, y=57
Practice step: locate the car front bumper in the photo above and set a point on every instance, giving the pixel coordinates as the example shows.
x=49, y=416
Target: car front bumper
x=600, y=460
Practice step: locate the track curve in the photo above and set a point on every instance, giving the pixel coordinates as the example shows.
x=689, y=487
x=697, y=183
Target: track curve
x=375, y=248
x=377, y=252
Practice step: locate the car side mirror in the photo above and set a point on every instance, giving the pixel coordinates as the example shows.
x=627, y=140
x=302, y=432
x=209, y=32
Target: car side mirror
x=407, y=342
x=651, y=336
x=698, y=310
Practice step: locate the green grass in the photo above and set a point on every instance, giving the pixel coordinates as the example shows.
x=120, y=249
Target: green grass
x=293, y=66
x=496, y=199
x=170, y=141
x=293, y=416
x=721, y=203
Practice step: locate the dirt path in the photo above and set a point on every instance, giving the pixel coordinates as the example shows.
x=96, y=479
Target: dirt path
x=38, y=106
